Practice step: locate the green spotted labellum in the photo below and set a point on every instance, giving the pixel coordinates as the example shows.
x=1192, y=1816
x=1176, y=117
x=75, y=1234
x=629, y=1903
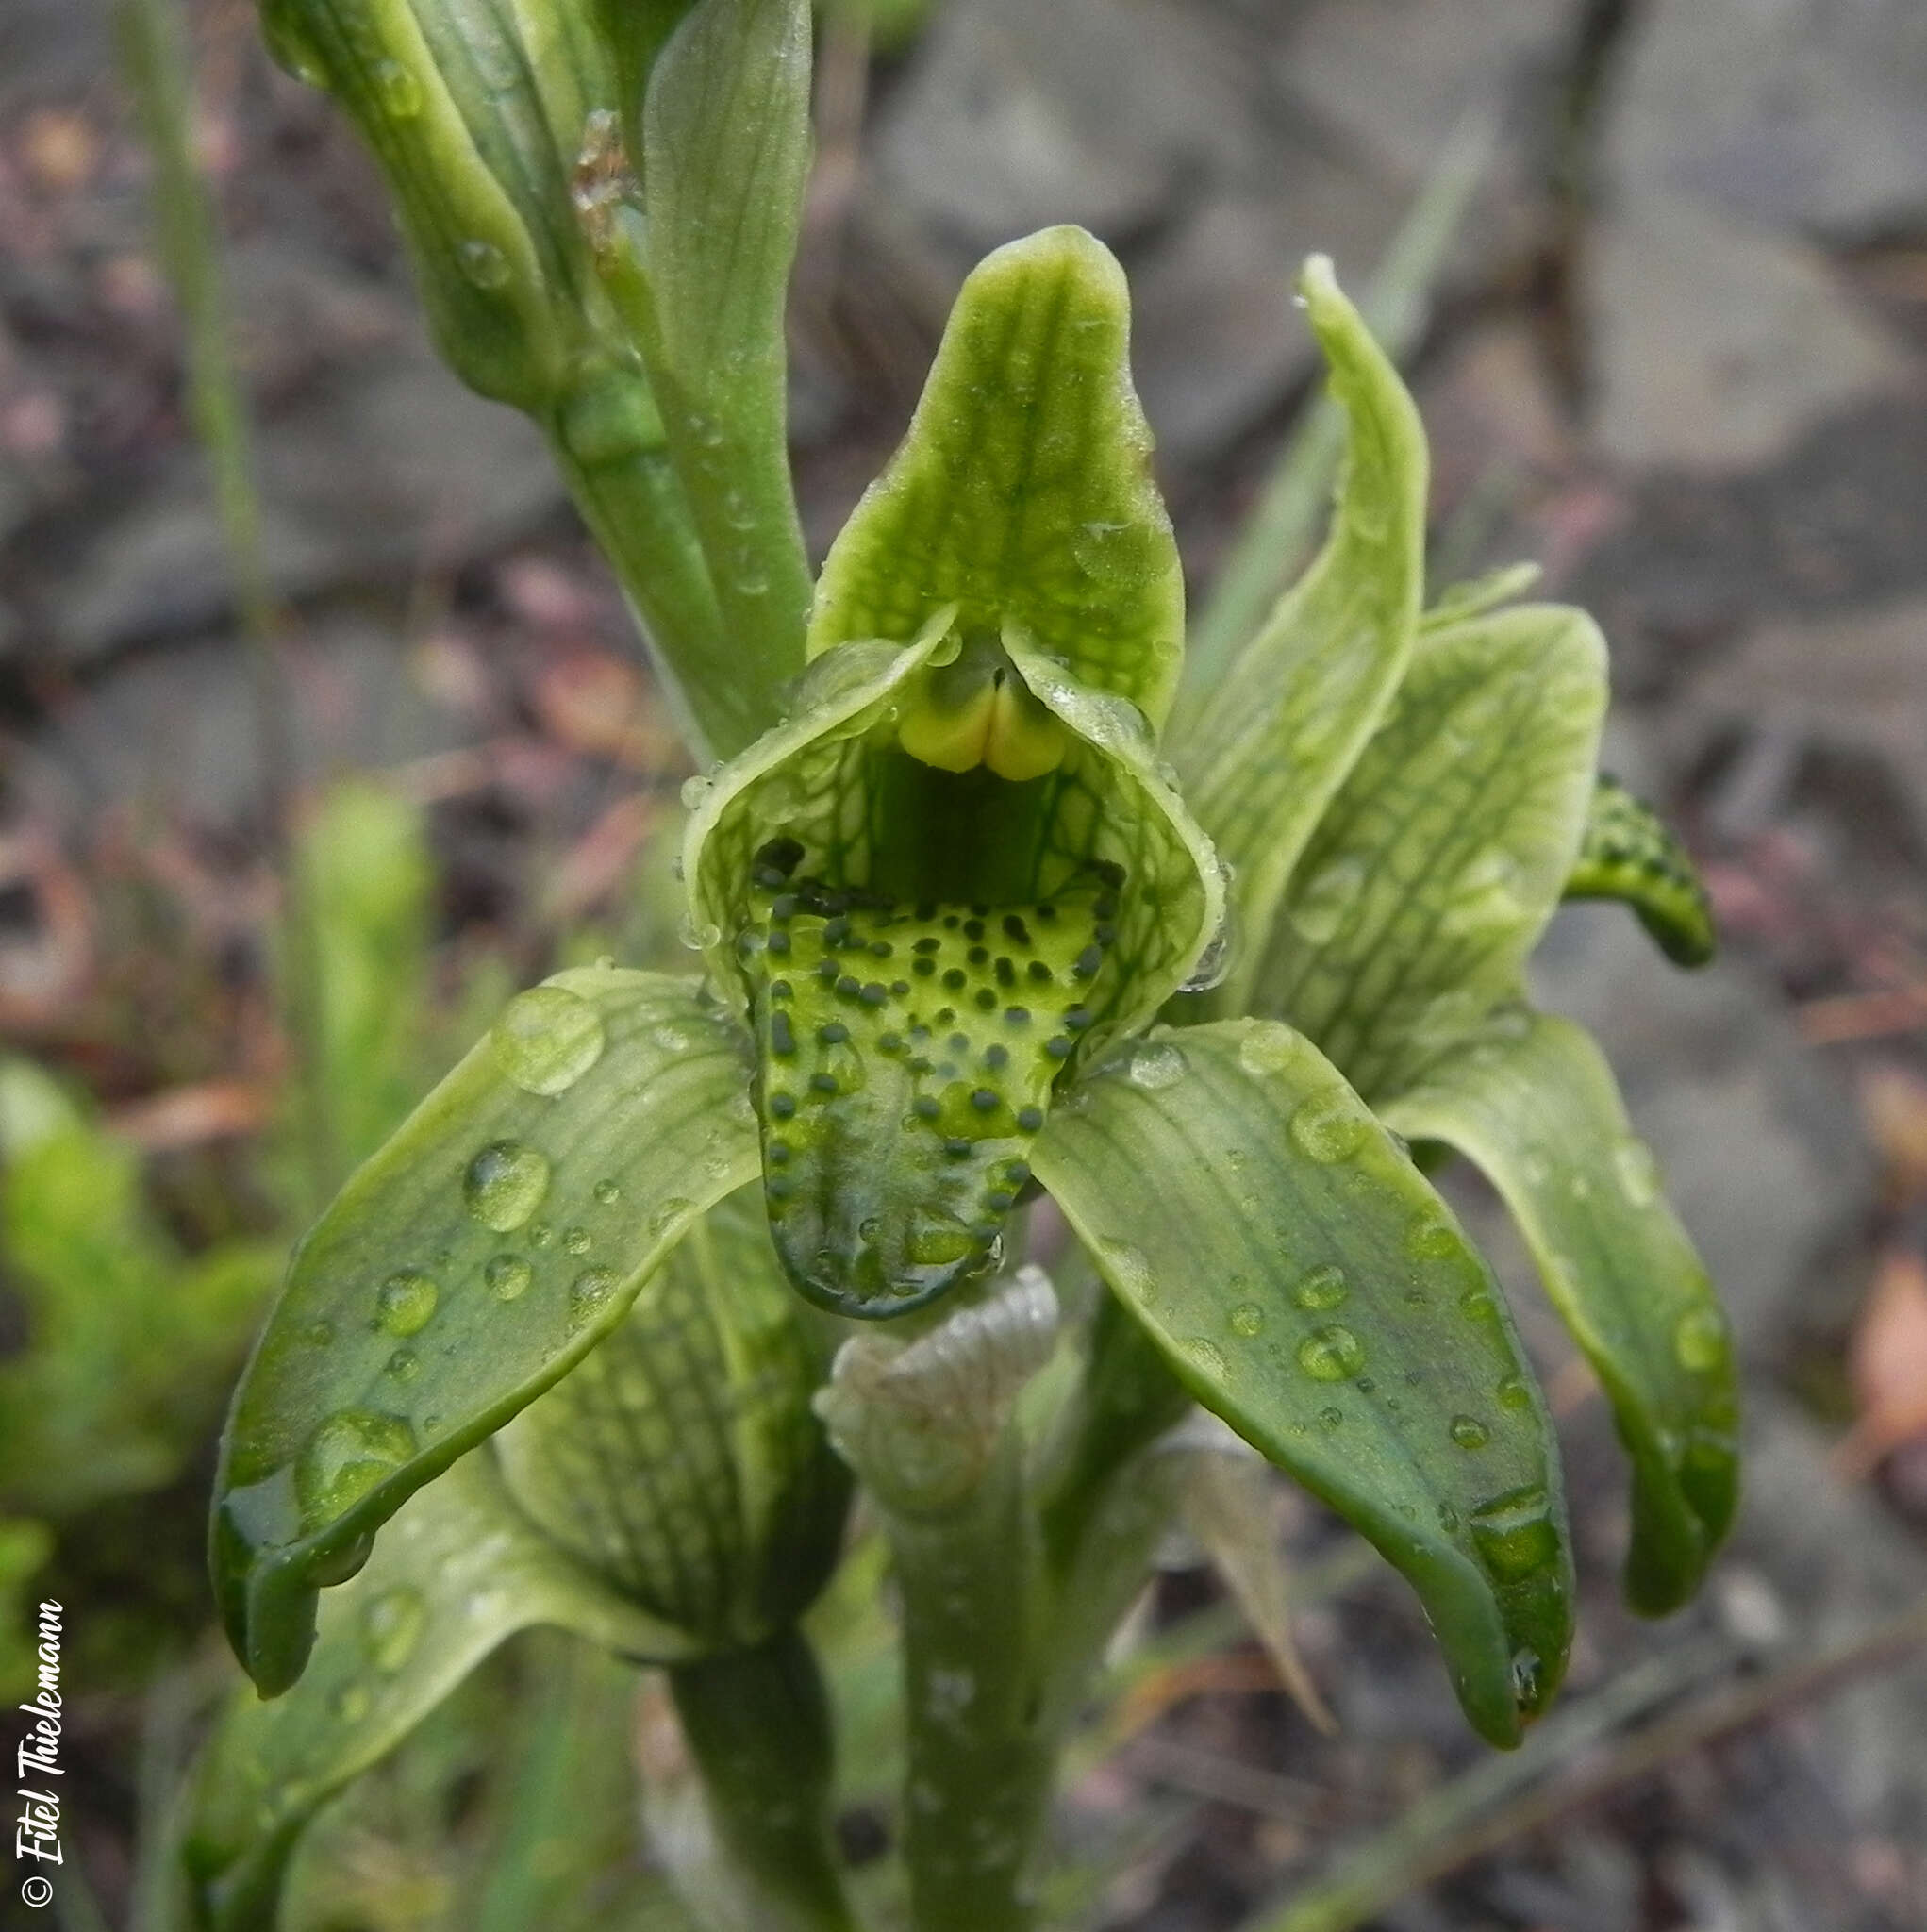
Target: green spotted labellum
x=957, y=871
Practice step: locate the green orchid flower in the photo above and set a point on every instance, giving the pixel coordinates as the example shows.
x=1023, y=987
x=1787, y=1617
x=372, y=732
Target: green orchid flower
x=991, y=903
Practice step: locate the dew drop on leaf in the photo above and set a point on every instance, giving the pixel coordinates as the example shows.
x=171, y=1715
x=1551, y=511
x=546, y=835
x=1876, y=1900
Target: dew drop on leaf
x=1206, y=1354
x=1514, y=1393
x=1247, y=1319
x=1266, y=1050
x=504, y=1183
x=1331, y=1354
x=508, y=1277
x=1326, y=1128
x=1155, y=1064
x=1468, y=1432
x=547, y=1039
x=1127, y=1267
x=607, y=1191
x=589, y=1291
x=405, y=1303
x=318, y=1334
x=1513, y=1533
x=1429, y=1238
x=577, y=1239
x=1323, y=1287
x=404, y=1365
x=389, y=1627
x=347, y=1457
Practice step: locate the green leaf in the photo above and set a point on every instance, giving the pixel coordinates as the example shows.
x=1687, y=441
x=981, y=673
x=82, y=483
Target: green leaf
x=1023, y=493
x=1264, y=751
x=724, y=163
x=1630, y=854
x=1435, y=869
x=1304, y=1282
x=1022, y=925
x=460, y=1569
x=682, y=1459
x=1533, y=1103
x=495, y=1239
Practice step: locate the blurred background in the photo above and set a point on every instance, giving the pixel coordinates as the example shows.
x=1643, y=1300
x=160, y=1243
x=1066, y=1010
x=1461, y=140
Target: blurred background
x=1676, y=352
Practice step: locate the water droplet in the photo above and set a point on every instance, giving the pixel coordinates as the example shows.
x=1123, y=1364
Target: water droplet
x=698, y=935
x=539, y=1234
x=751, y=574
x=547, y=1039
x=405, y=1303
x=351, y=1703
x=404, y=1365
x=695, y=790
x=1513, y=1533
x=1129, y=1272
x=1327, y=1127
x=1206, y=1354
x=608, y=1193
x=1121, y=555
x=1514, y=1393
x=390, y=1625
x=1429, y=1238
x=1448, y=1519
x=1525, y=1677
x=399, y=92
x=483, y=263
x=589, y=1291
x=1468, y=1432
x=1330, y=1417
x=1247, y=1319
x=1323, y=1287
x=1331, y=1354
x=739, y=513
x=1699, y=1341
x=1264, y=1049
x=347, y=1457
x=668, y=1215
x=508, y=1277
x=1155, y=1064
x=1637, y=1172
x=1214, y=964
x=318, y=1334
x=504, y=1183
x=577, y=1239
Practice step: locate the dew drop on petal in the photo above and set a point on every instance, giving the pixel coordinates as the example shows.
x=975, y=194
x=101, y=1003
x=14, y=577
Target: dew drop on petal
x=508, y=1277
x=1155, y=1064
x=1331, y=1354
x=547, y=1039
x=405, y=1303
x=504, y=1183
x=1327, y=1128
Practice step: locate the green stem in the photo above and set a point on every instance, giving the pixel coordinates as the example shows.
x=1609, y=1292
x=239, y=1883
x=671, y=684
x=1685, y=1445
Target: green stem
x=637, y=512
x=153, y=63
x=758, y=1726
x=983, y=1754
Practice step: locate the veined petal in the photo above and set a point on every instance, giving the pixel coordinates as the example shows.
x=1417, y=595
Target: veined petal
x=1305, y=1283
x=1531, y=1102
x=1023, y=493
x=458, y=1572
x=501, y=1232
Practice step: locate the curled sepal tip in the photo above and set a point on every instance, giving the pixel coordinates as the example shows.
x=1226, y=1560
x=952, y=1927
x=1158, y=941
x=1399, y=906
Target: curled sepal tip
x=1630, y=854
x=500, y=1233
